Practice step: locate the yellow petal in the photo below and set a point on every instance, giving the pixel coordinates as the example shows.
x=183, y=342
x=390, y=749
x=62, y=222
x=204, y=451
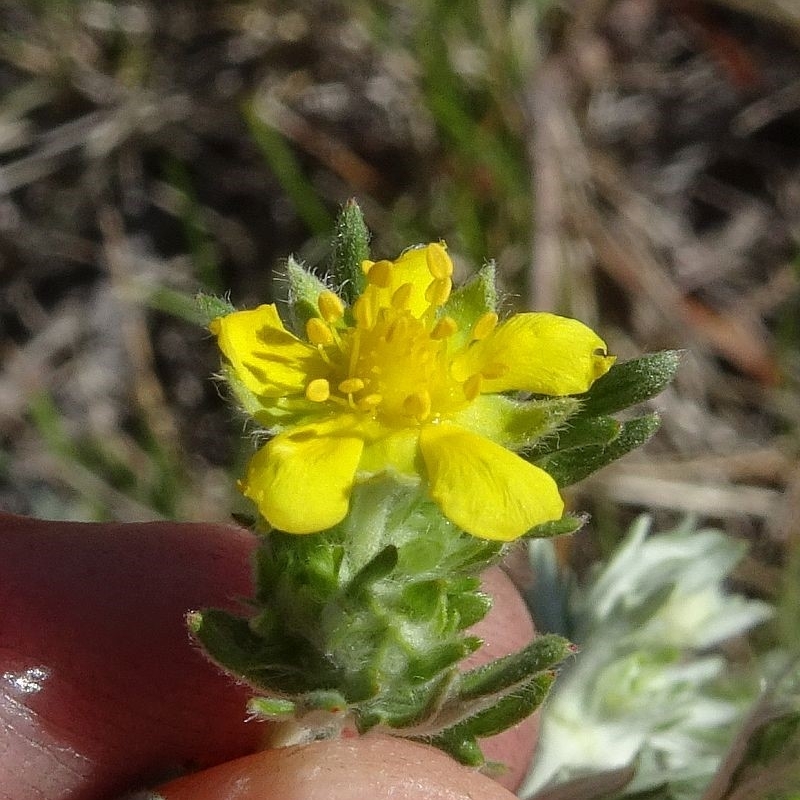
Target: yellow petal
x=301, y=480
x=266, y=358
x=541, y=353
x=483, y=488
x=417, y=267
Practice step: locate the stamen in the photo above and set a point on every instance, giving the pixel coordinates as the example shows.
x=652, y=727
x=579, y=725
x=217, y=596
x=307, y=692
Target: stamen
x=364, y=312
x=418, y=405
x=369, y=402
x=380, y=274
x=444, y=328
x=439, y=263
x=330, y=307
x=351, y=385
x=401, y=299
x=318, y=390
x=438, y=291
x=484, y=326
x=472, y=387
x=318, y=332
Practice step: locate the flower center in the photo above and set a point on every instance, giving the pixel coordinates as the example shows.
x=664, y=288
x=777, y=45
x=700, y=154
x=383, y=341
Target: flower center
x=394, y=364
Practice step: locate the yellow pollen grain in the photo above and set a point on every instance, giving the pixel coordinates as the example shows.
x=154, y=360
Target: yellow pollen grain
x=401, y=299
x=444, y=328
x=380, y=274
x=484, y=326
x=369, y=402
x=318, y=390
x=438, y=291
x=418, y=405
x=472, y=387
x=318, y=332
x=351, y=385
x=330, y=307
x=439, y=263
x=494, y=370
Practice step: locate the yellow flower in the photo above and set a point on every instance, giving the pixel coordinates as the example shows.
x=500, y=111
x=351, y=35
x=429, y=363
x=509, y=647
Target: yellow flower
x=410, y=383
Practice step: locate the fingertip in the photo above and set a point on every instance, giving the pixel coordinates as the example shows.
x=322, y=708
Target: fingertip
x=374, y=767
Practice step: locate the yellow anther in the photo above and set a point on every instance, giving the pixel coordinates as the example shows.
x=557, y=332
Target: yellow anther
x=438, y=291
x=495, y=370
x=445, y=327
x=351, y=385
x=418, y=405
x=484, y=326
x=369, y=402
x=472, y=387
x=439, y=263
x=318, y=332
x=401, y=299
x=330, y=307
x=380, y=274
x=318, y=390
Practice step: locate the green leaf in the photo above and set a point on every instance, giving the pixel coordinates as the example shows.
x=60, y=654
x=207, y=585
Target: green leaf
x=350, y=248
x=462, y=746
x=569, y=466
x=304, y=291
x=631, y=382
x=506, y=712
x=228, y=639
x=543, y=653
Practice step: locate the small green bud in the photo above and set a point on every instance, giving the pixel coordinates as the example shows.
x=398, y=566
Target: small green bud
x=350, y=249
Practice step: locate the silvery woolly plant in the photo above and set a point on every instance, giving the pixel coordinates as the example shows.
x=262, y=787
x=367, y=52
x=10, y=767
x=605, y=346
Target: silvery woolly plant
x=410, y=435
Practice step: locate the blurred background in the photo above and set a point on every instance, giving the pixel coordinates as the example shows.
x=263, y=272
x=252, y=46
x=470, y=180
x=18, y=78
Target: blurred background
x=632, y=163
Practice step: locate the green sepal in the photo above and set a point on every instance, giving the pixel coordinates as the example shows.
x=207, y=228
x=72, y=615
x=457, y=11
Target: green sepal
x=542, y=653
x=406, y=709
x=210, y=306
x=569, y=466
x=580, y=431
x=271, y=708
x=379, y=566
x=518, y=424
x=631, y=382
x=304, y=290
x=469, y=301
x=350, y=249
x=569, y=523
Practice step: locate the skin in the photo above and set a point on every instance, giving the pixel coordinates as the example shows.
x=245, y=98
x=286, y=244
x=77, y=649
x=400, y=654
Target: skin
x=102, y=691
